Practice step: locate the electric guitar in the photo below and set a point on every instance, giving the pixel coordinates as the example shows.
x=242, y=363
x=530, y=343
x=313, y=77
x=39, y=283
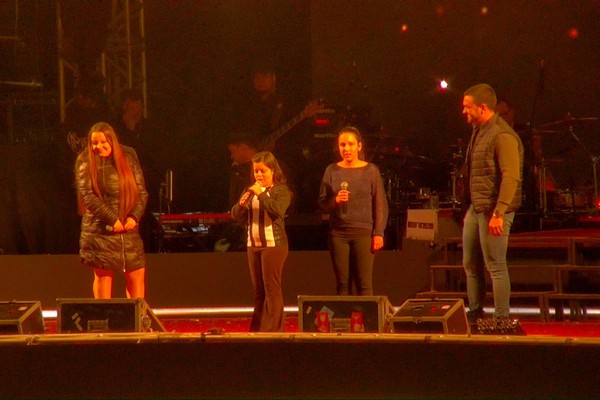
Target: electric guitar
x=310, y=110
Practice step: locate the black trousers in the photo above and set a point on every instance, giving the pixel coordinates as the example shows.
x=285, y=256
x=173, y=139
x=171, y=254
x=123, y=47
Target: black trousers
x=266, y=269
x=352, y=261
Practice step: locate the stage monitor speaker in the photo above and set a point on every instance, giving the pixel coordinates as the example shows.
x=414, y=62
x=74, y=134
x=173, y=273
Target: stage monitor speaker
x=106, y=315
x=445, y=316
x=343, y=313
x=21, y=317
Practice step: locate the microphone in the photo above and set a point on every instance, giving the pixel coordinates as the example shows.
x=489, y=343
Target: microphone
x=344, y=186
x=250, y=194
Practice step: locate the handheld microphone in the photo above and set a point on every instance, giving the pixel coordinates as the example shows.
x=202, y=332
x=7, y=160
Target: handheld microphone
x=344, y=186
x=250, y=194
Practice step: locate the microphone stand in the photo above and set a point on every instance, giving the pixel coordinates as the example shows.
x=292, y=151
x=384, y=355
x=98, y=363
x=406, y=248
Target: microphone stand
x=594, y=160
x=164, y=193
x=539, y=204
x=457, y=159
x=161, y=194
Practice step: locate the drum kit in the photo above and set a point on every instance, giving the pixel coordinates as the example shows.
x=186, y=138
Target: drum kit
x=410, y=180
x=559, y=172
x=562, y=164
x=567, y=179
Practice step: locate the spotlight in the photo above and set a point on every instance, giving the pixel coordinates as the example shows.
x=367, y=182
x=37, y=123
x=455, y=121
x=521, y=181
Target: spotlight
x=443, y=84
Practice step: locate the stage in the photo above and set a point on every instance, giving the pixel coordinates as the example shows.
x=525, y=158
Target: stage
x=205, y=350
x=298, y=365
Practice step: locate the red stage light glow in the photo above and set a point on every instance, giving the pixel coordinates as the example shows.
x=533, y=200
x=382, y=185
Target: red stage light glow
x=485, y=10
x=573, y=33
x=322, y=121
x=404, y=28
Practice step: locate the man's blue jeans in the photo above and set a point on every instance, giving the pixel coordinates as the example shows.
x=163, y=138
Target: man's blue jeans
x=481, y=251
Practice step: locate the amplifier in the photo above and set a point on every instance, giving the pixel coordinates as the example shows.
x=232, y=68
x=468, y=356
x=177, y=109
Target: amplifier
x=106, y=315
x=446, y=316
x=21, y=317
x=343, y=313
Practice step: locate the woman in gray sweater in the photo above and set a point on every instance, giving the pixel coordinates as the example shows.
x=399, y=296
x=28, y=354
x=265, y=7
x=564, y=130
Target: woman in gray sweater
x=353, y=195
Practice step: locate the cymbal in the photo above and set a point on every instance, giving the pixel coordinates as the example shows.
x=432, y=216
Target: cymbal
x=379, y=132
x=402, y=153
x=553, y=160
x=546, y=132
x=569, y=120
x=398, y=152
x=424, y=158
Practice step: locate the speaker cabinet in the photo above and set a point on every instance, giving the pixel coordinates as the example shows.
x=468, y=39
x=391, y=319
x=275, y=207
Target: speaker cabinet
x=446, y=316
x=21, y=317
x=106, y=315
x=343, y=313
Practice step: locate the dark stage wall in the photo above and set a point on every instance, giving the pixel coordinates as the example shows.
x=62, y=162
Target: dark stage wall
x=355, y=55
x=210, y=279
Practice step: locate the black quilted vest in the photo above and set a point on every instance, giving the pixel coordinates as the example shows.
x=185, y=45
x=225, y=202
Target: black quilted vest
x=484, y=182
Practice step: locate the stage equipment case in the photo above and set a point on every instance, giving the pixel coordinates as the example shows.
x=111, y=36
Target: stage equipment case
x=106, y=315
x=445, y=316
x=21, y=317
x=344, y=313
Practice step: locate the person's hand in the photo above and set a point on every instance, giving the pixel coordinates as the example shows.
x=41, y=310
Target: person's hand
x=130, y=224
x=342, y=197
x=118, y=227
x=256, y=188
x=496, y=226
x=376, y=243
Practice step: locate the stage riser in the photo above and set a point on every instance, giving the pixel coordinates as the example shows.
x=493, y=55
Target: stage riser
x=190, y=280
x=184, y=280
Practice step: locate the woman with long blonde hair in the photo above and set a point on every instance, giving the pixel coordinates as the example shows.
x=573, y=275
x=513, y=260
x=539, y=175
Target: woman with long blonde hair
x=111, y=198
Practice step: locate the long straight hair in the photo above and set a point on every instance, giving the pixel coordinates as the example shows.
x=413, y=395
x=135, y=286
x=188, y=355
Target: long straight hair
x=128, y=192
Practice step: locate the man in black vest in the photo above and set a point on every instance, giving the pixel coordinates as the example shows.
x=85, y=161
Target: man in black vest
x=493, y=193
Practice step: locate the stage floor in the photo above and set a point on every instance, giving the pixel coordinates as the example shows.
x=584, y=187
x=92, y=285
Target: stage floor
x=238, y=325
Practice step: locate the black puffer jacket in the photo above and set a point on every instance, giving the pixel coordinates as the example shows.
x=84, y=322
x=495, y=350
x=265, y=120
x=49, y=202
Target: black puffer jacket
x=99, y=247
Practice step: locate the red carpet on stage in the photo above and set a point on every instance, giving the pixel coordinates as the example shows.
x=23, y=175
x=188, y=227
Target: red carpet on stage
x=585, y=329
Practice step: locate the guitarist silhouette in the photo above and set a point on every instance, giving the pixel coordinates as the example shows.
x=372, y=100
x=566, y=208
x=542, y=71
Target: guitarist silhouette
x=268, y=119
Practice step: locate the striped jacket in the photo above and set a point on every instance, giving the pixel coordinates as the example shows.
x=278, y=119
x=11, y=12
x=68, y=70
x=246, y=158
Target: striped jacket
x=265, y=216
